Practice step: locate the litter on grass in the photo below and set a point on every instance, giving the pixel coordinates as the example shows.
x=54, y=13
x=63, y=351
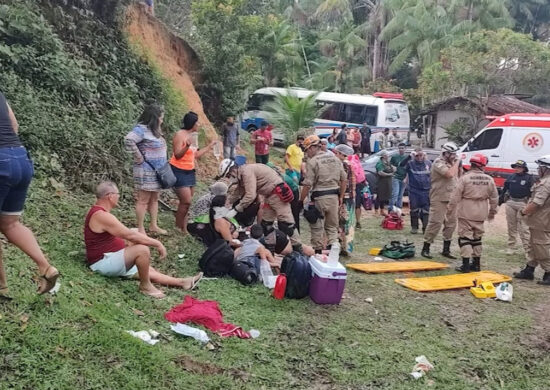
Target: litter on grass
x=186, y=330
x=421, y=367
x=504, y=292
x=254, y=333
x=55, y=288
x=150, y=336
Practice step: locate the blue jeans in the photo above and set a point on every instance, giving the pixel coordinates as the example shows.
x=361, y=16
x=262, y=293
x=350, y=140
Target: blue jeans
x=398, y=188
x=16, y=171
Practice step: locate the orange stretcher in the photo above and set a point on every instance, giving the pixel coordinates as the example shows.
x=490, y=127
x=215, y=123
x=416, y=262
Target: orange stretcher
x=397, y=266
x=451, y=282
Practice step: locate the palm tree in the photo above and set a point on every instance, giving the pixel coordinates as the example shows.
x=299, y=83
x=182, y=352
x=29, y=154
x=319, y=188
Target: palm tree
x=292, y=114
x=333, y=12
x=342, y=45
x=281, y=55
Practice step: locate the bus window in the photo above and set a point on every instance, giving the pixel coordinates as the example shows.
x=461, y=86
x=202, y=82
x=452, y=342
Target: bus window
x=353, y=113
x=489, y=139
x=256, y=101
x=332, y=112
x=371, y=113
x=397, y=114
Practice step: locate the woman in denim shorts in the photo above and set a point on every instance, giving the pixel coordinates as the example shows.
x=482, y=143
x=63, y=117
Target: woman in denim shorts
x=16, y=171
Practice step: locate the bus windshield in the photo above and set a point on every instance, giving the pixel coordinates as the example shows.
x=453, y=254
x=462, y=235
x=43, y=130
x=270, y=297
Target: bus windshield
x=397, y=114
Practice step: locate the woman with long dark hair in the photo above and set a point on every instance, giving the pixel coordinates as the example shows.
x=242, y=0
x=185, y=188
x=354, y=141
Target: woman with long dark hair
x=16, y=171
x=148, y=146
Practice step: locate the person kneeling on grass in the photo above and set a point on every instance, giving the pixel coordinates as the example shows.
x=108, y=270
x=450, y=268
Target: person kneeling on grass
x=108, y=254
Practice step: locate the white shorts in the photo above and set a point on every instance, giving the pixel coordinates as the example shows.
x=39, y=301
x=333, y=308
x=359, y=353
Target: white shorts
x=112, y=264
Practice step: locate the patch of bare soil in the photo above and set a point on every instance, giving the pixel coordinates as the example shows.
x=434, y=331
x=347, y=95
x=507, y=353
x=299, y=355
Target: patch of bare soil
x=205, y=368
x=539, y=334
x=178, y=62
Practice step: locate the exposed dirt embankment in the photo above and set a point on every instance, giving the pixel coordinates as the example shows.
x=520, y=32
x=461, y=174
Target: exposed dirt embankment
x=176, y=60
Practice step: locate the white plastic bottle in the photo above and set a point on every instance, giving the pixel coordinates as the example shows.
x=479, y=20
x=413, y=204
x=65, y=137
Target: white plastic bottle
x=217, y=150
x=267, y=274
x=334, y=254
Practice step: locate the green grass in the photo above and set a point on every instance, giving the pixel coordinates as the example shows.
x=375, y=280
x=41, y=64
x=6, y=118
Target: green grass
x=77, y=338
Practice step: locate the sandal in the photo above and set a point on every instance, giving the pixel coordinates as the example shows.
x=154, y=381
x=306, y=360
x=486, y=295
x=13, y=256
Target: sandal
x=158, y=294
x=194, y=281
x=48, y=280
x=4, y=297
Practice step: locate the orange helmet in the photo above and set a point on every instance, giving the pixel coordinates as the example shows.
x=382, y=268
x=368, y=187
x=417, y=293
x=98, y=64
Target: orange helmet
x=479, y=159
x=311, y=140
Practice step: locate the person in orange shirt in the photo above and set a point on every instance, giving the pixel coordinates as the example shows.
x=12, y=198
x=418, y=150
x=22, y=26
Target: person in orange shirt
x=183, y=165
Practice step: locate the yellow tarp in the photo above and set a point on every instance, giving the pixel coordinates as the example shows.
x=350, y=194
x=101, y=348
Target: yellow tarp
x=451, y=282
x=397, y=266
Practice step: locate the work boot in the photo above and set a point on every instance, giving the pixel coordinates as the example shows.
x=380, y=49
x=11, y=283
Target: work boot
x=426, y=251
x=447, y=250
x=465, y=267
x=545, y=279
x=476, y=264
x=527, y=273
x=414, y=230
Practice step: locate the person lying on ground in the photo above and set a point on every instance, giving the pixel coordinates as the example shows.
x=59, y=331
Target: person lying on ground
x=253, y=247
x=108, y=254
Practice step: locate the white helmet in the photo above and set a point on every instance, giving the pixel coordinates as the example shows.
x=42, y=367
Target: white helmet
x=225, y=166
x=544, y=161
x=450, y=147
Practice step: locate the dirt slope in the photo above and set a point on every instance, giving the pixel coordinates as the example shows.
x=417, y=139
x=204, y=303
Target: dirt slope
x=175, y=58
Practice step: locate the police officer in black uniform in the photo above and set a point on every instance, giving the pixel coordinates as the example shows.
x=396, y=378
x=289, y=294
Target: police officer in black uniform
x=516, y=193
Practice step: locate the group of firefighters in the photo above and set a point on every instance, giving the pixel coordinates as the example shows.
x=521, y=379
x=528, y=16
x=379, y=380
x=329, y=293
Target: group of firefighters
x=443, y=195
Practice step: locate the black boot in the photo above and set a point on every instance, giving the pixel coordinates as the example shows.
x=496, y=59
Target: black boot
x=465, y=267
x=426, y=251
x=545, y=279
x=527, y=273
x=414, y=222
x=476, y=264
x=447, y=250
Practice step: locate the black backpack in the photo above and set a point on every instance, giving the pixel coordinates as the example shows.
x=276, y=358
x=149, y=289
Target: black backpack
x=203, y=232
x=246, y=270
x=298, y=275
x=217, y=260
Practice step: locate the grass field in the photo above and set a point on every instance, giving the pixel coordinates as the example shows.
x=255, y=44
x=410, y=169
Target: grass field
x=77, y=338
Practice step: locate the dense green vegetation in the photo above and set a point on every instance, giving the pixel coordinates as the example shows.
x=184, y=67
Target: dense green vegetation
x=76, y=89
x=361, y=46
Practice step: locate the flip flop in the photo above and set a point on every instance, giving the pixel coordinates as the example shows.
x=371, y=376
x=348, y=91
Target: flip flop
x=4, y=297
x=158, y=295
x=47, y=281
x=195, y=281
x=160, y=232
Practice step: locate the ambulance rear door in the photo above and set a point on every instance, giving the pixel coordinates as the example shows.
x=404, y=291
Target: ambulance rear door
x=493, y=143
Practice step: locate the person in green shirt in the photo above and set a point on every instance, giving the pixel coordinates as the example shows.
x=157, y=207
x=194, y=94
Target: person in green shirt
x=398, y=179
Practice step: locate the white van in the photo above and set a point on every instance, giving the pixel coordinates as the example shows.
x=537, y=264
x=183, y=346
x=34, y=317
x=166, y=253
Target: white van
x=509, y=138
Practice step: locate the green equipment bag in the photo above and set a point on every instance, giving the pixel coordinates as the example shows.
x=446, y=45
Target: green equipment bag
x=397, y=250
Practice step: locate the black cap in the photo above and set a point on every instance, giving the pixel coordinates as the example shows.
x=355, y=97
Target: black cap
x=520, y=164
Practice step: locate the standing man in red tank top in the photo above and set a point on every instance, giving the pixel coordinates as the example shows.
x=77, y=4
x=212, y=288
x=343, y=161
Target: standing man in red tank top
x=108, y=254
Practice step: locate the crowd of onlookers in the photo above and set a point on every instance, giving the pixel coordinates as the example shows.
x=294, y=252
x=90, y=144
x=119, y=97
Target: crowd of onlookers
x=255, y=208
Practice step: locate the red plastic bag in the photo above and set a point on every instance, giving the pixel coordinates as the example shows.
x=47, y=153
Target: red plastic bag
x=280, y=287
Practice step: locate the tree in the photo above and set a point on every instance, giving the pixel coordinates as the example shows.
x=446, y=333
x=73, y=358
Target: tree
x=292, y=114
x=341, y=46
x=532, y=17
x=491, y=62
x=421, y=29
x=282, y=62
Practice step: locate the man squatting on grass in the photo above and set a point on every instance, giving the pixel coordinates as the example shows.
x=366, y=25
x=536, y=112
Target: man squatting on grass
x=108, y=254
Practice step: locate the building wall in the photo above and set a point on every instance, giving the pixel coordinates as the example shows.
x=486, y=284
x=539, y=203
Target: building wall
x=444, y=119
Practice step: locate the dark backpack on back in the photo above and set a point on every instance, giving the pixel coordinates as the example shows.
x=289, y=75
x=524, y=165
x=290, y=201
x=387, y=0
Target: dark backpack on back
x=217, y=260
x=298, y=275
x=246, y=270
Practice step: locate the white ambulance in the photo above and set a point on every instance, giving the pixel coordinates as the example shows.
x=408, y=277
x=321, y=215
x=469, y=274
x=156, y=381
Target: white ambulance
x=509, y=138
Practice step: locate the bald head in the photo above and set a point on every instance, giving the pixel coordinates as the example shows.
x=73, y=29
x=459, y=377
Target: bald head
x=105, y=188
